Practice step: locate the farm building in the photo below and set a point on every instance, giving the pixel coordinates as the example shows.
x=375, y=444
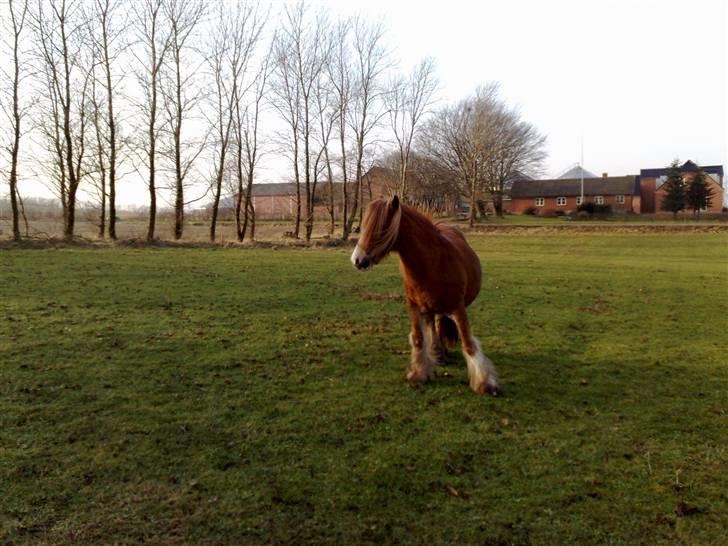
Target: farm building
x=274, y=200
x=278, y=200
x=651, y=181
x=638, y=194
x=564, y=194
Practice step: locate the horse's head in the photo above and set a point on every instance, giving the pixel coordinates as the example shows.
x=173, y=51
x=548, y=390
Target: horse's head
x=378, y=234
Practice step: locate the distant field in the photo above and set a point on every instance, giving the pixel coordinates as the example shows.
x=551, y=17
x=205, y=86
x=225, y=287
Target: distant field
x=134, y=227
x=257, y=396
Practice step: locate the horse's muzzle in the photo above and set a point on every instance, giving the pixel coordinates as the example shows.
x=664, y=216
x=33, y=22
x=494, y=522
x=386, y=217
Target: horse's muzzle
x=360, y=259
x=363, y=263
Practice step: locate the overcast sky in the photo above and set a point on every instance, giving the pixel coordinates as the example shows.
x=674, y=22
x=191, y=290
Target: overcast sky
x=640, y=82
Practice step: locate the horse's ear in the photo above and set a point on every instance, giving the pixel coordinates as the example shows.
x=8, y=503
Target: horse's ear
x=395, y=202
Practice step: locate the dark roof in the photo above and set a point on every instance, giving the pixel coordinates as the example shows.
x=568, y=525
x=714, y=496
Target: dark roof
x=686, y=167
x=275, y=188
x=559, y=187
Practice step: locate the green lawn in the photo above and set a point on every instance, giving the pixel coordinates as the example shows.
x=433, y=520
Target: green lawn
x=257, y=396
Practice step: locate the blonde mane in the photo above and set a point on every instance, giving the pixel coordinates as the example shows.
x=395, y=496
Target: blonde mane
x=378, y=239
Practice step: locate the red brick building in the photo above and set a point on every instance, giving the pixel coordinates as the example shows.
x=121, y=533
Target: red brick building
x=652, y=180
x=277, y=201
x=638, y=194
x=564, y=194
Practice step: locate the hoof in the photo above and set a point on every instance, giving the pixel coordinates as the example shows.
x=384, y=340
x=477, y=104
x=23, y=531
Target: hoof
x=485, y=388
x=494, y=390
x=418, y=376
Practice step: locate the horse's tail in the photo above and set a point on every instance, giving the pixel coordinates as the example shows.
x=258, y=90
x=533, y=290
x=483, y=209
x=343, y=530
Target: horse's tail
x=448, y=331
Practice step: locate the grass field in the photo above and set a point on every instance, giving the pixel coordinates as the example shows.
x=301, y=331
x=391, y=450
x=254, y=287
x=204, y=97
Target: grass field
x=257, y=396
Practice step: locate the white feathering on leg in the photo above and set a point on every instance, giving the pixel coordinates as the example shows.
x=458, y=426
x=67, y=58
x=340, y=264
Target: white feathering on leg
x=421, y=365
x=480, y=369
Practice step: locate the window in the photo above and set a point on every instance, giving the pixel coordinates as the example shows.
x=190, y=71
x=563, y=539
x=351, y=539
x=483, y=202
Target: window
x=599, y=199
x=620, y=199
x=540, y=201
x=579, y=200
x=561, y=201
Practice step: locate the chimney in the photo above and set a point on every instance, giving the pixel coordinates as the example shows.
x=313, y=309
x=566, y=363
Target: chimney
x=605, y=175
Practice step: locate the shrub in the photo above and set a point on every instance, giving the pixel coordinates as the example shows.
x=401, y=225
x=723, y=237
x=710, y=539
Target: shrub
x=602, y=211
x=533, y=211
x=592, y=209
x=586, y=207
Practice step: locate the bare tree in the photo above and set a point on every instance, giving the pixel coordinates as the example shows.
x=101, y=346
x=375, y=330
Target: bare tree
x=101, y=153
x=408, y=101
x=366, y=109
x=485, y=143
x=516, y=149
x=431, y=185
x=339, y=71
x=457, y=136
x=327, y=114
x=17, y=109
x=231, y=50
x=154, y=40
x=181, y=96
x=108, y=46
x=300, y=57
x=66, y=70
x=247, y=122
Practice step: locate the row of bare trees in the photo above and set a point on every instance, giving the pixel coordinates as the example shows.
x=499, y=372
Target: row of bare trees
x=188, y=96
x=81, y=59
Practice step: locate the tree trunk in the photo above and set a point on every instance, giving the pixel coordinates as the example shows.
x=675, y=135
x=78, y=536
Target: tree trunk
x=344, y=192
x=251, y=213
x=152, y=152
x=238, y=211
x=218, y=191
x=215, y=207
x=16, y=140
x=248, y=205
x=102, y=215
x=14, y=196
x=179, y=202
x=297, y=228
x=498, y=204
x=473, y=204
x=332, y=218
x=112, y=132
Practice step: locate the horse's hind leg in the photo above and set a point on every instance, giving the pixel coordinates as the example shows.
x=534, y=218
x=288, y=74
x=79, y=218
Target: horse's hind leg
x=421, y=365
x=481, y=372
x=434, y=340
x=447, y=331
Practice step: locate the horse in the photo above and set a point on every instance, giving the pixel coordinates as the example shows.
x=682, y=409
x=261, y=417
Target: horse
x=442, y=276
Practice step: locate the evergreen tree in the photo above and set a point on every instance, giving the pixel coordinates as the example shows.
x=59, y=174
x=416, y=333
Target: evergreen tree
x=674, y=199
x=699, y=192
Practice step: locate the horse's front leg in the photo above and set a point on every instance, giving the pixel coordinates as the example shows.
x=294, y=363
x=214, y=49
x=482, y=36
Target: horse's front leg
x=421, y=364
x=481, y=372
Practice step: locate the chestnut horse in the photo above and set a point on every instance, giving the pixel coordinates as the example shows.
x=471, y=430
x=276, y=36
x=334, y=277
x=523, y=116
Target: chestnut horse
x=442, y=277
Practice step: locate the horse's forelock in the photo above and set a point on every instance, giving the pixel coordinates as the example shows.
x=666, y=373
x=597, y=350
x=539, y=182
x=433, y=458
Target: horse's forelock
x=379, y=233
